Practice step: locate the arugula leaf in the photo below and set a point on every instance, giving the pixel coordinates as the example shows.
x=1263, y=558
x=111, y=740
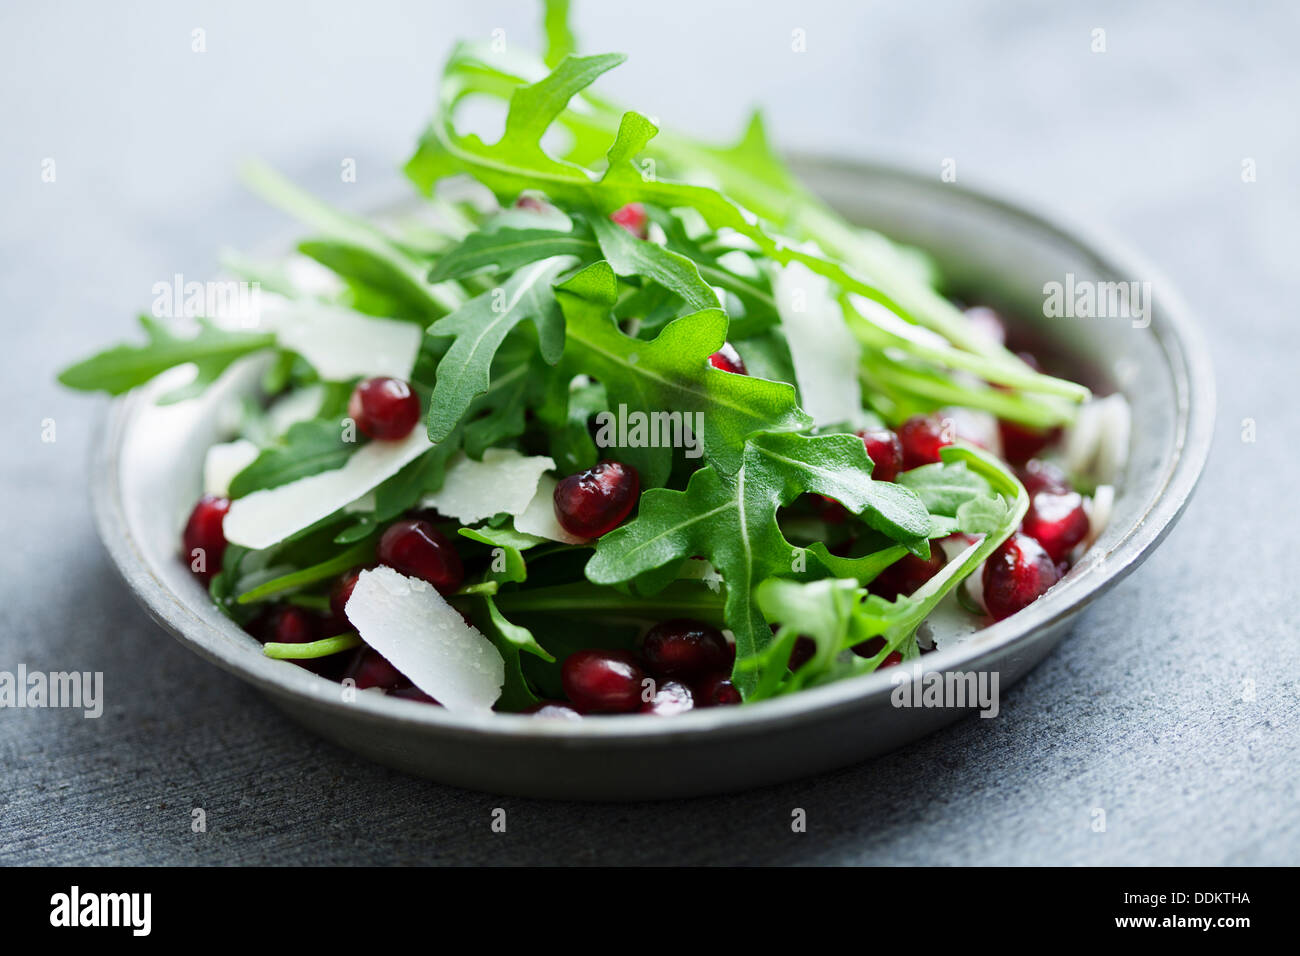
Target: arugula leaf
x=629, y=256
x=480, y=326
x=355, y=249
x=671, y=373
x=732, y=521
x=123, y=367
x=308, y=448
x=508, y=249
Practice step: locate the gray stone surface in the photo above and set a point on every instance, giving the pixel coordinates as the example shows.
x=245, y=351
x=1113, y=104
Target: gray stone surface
x=1142, y=713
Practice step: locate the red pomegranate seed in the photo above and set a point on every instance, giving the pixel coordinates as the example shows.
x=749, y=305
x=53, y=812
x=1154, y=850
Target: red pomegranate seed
x=632, y=217
x=553, y=708
x=670, y=698
x=1016, y=575
x=892, y=658
x=384, y=408
x=602, y=682
x=1038, y=476
x=921, y=437
x=685, y=649
x=869, y=648
x=1021, y=443
x=340, y=592
x=289, y=625
x=204, y=540
x=988, y=323
x=417, y=548
x=1057, y=522
x=716, y=691
x=908, y=573
x=596, y=501
x=728, y=359
x=369, y=668
x=885, y=451
x=413, y=693
x=802, y=652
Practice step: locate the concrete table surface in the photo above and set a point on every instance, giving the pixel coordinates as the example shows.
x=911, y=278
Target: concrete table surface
x=1173, y=707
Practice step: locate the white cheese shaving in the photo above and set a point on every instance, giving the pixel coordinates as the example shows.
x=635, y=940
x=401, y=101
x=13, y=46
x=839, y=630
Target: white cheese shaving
x=503, y=482
x=1096, y=444
x=267, y=517
x=425, y=638
x=223, y=462
x=539, y=520
x=824, y=351
x=341, y=344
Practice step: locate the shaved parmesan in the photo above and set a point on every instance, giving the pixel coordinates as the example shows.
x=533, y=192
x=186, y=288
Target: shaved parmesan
x=223, y=462
x=341, y=344
x=539, y=520
x=824, y=351
x=503, y=482
x=1097, y=443
x=425, y=638
x=267, y=517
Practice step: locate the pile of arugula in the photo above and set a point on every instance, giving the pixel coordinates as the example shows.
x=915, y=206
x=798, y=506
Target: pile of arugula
x=536, y=321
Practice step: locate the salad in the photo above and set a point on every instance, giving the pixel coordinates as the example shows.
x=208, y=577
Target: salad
x=612, y=420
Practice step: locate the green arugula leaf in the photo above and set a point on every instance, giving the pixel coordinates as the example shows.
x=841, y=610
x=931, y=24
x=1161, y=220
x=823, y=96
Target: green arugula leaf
x=356, y=250
x=671, y=374
x=732, y=521
x=630, y=256
x=308, y=448
x=508, y=249
x=480, y=326
x=123, y=367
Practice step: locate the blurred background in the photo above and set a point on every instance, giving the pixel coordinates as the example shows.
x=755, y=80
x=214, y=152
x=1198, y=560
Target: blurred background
x=1143, y=713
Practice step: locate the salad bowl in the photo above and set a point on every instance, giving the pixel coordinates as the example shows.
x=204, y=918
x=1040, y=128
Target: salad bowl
x=146, y=472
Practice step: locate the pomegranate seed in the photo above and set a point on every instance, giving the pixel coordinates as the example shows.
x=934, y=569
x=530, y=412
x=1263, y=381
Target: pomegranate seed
x=921, y=437
x=596, y=501
x=670, y=698
x=683, y=648
x=869, y=648
x=413, y=693
x=553, y=708
x=1057, y=522
x=369, y=668
x=717, y=691
x=892, y=658
x=339, y=594
x=1021, y=443
x=802, y=652
x=728, y=359
x=1016, y=575
x=885, y=451
x=908, y=573
x=1038, y=476
x=632, y=217
x=384, y=408
x=988, y=323
x=204, y=537
x=602, y=682
x=417, y=548
x=289, y=625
